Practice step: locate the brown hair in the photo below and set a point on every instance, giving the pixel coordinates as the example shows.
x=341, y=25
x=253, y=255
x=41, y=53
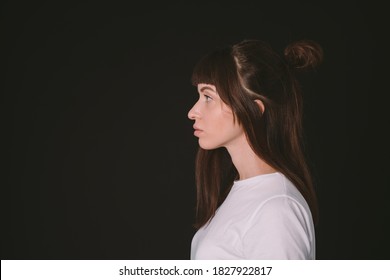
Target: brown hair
x=242, y=73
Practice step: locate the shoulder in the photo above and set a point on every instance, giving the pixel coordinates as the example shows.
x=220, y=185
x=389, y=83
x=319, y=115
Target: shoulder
x=282, y=201
x=277, y=206
x=281, y=227
x=269, y=189
x=283, y=209
x=266, y=198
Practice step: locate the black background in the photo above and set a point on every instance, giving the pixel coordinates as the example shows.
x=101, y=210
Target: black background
x=99, y=154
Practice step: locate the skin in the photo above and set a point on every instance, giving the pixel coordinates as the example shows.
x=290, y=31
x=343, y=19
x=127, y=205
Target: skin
x=215, y=127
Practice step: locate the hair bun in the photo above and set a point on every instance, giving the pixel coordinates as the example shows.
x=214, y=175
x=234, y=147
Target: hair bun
x=303, y=54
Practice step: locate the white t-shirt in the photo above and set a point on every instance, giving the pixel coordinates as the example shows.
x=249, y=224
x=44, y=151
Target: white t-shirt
x=263, y=217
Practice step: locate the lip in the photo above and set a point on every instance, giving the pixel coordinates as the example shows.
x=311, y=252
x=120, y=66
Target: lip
x=197, y=131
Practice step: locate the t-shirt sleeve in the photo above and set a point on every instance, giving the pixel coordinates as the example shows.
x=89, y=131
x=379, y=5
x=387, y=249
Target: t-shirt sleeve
x=280, y=229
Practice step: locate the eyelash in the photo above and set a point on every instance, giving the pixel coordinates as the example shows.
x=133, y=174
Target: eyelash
x=208, y=98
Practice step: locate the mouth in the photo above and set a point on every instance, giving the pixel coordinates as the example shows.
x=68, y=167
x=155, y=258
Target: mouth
x=197, y=131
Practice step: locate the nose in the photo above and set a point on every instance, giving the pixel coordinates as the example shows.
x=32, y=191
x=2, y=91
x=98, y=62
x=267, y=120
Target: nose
x=193, y=113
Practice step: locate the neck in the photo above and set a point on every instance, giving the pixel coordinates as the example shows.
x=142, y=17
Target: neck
x=247, y=163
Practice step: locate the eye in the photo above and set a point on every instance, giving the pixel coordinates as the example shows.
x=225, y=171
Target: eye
x=207, y=97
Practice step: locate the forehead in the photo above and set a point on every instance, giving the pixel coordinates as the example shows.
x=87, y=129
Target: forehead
x=203, y=87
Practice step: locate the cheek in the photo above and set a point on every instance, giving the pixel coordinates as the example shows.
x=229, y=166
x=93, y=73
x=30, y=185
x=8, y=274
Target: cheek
x=221, y=131
x=225, y=122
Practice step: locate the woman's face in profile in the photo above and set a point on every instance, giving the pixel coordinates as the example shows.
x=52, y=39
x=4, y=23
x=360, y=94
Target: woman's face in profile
x=214, y=124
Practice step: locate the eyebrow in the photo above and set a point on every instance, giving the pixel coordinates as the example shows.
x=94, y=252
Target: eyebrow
x=207, y=88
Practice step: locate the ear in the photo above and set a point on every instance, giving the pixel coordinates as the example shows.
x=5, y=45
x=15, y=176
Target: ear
x=261, y=105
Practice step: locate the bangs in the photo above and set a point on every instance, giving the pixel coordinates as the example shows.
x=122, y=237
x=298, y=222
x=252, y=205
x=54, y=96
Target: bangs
x=210, y=69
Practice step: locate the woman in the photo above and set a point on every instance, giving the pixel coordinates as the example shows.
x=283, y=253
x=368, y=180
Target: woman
x=255, y=197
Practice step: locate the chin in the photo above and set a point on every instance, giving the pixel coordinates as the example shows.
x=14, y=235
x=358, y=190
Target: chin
x=207, y=146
